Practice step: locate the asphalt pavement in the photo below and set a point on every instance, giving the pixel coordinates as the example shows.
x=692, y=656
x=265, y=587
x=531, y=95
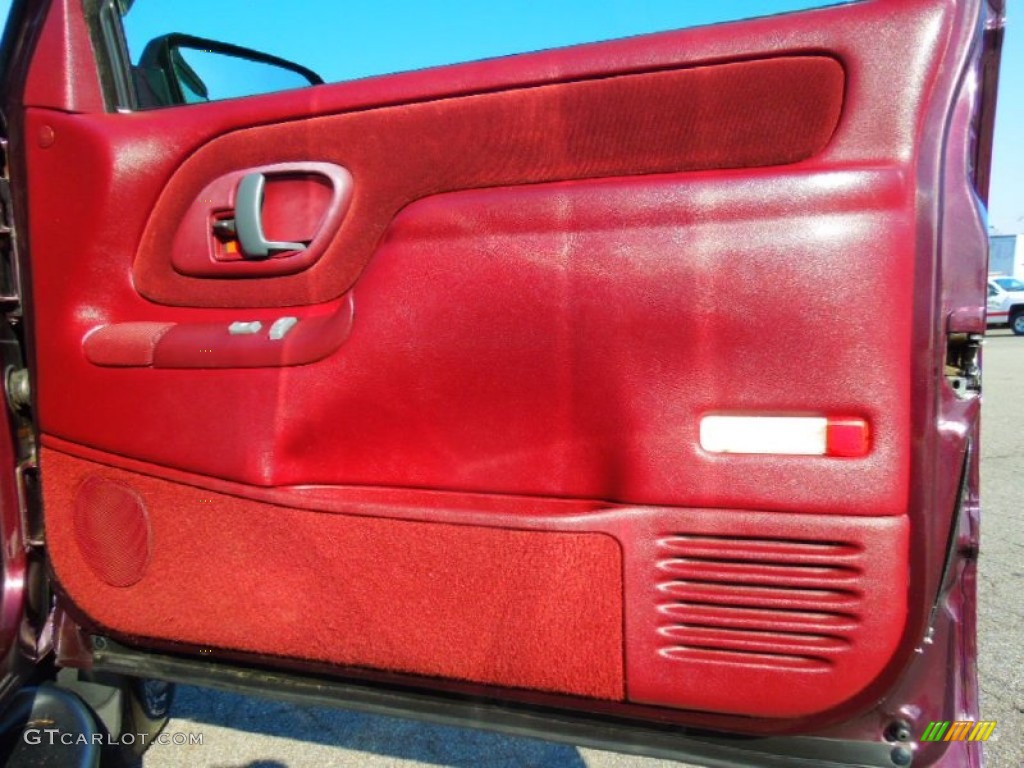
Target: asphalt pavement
x=245, y=732
x=1001, y=582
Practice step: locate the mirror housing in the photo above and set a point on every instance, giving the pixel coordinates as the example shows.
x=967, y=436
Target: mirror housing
x=167, y=73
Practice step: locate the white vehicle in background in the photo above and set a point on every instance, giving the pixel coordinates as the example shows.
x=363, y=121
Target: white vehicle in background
x=1006, y=303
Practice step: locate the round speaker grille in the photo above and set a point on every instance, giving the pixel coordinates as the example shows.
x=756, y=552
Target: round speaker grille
x=112, y=531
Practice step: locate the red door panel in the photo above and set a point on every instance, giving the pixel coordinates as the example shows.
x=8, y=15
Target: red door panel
x=529, y=408
x=752, y=613
x=475, y=456
x=546, y=133
x=532, y=609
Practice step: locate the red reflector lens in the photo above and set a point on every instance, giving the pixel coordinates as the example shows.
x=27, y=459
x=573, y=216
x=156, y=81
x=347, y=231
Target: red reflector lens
x=847, y=437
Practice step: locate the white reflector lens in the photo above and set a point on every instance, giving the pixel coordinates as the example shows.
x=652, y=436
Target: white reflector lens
x=789, y=435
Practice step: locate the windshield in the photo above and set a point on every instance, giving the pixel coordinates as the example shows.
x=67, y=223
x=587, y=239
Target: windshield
x=1009, y=284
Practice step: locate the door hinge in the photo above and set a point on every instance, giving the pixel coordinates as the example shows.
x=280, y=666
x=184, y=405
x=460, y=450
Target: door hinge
x=16, y=380
x=10, y=272
x=18, y=389
x=25, y=555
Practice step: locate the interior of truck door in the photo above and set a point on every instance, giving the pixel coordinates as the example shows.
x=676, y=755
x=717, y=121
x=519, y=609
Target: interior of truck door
x=589, y=374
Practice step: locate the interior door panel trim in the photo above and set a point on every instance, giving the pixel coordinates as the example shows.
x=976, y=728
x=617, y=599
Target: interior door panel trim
x=276, y=340
x=192, y=250
x=791, y=106
x=505, y=410
x=563, y=261
x=846, y=572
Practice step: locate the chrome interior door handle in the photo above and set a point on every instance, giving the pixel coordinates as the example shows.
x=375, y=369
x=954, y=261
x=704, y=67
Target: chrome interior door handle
x=249, y=220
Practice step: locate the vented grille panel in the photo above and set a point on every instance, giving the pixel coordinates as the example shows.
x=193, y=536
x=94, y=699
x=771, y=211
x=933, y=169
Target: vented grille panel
x=787, y=603
x=762, y=613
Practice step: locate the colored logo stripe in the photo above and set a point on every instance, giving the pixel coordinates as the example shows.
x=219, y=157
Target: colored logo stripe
x=982, y=731
x=935, y=731
x=959, y=730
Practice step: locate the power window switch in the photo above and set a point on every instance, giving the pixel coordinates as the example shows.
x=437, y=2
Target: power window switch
x=280, y=327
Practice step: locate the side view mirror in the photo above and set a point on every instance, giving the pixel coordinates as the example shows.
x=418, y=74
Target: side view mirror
x=182, y=69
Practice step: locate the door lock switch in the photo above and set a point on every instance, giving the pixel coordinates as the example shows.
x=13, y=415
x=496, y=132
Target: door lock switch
x=241, y=327
x=225, y=229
